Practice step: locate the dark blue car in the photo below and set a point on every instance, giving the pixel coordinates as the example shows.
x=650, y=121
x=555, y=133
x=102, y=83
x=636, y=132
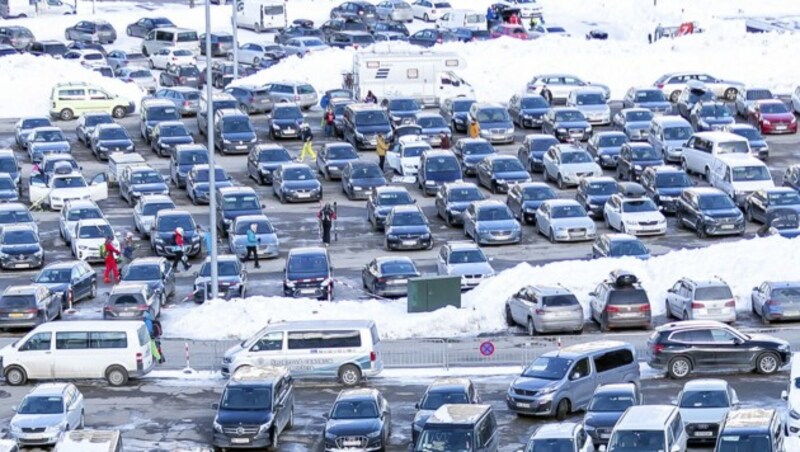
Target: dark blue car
x=332, y=158
x=664, y=185
x=402, y=109
x=454, y=198
x=526, y=110
x=182, y=159
x=264, y=160
x=619, y=245
x=470, y=152
x=73, y=280
x=456, y=112
x=499, y=172
x=406, y=228
x=234, y=202
x=532, y=151
x=606, y=146
x=594, y=192
x=360, y=177
x=308, y=273
x=524, y=199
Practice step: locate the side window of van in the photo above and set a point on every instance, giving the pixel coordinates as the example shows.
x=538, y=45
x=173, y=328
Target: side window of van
x=305, y=340
x=580, y=370
x=612, y=360
x=72, y=341
x=70, y=94
x=39, y=341
x=269, y=342
x=117, y=339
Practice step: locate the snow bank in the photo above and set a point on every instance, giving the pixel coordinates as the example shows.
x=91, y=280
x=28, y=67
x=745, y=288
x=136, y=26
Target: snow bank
x=742, y=264
x=27, y=81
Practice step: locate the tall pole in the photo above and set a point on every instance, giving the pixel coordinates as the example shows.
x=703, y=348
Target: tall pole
x=212, y=176
x=234, y=23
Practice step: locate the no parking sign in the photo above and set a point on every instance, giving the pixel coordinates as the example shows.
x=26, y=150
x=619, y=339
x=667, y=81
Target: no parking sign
x=487, y=348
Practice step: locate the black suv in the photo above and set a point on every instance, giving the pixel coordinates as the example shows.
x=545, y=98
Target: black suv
x=183, y=158
x=691, y=345
x=634, y=158
x=709, y=212
x=360, y=419
x=256, y=406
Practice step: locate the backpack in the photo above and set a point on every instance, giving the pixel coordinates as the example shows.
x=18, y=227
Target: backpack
x=103, y=251
x=157, y=328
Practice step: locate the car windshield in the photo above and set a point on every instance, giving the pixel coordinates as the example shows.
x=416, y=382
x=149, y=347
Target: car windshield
x=750, y=173
x=461, y=106
x=273, y=155
x=236, y=125
x=533, y=102
x=174, y=131
x=41, y=405
x=84, y=214
x=627, y=248
x=162, y=113
x=748, y=132
x=219, y=175
x=19, y=237
x=612, y=141
x=366, y=172
x=54, y=275
x=443, y=164
x=774, y=108
x=308, y=264
x=240, y=202
x=414, y=151
x=507, y=165
x=404, y=105
x=445, y=440
x=342, y=153
x=287, y=113
x=398, y=268
x=371, y=118
x=432, y=122
x=611, y=403
x=36, y=122
x=650, y=95
x=714, y=111
x=146, y=177
x=354, y=409
x=551, y=445
x=262, y=227
x=548, y=368
x=590, y=99
x=704, y=399
x=169, y=223
x=15, y=216
x=478, y=148
x=435, y=399
x=639, y=205
x=673, y=180
x=140, y=73
x=148, y=272
x=113, y=133
x=744, y=442
x=788, y=198
x=638, y=116
x=715, y=202
x=537, y=193
x=467, y=257
x=247, y=398
x=493, y=115
x=224, y=268
x=637, y=441
x=575, y=157
x=193, y=158
x=95, y=231
x=713, y=293
x=7, y=183
x=299, y=173
x=49, y=136
x=408, y=219
x=681, y=133
x=498, y=213
x=398, y=198
x=734, y=147
x=644, y=153
x=575, y=211
x=93, y=120
x=601, y=188
x=758, y=94
x=69, y=182
x=152, y=208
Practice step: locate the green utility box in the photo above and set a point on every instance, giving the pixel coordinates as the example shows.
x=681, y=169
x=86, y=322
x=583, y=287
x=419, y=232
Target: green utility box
x=429, y=293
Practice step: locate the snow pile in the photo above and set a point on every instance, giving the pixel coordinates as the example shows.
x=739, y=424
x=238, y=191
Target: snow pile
x=742, y=264
x=27, y=82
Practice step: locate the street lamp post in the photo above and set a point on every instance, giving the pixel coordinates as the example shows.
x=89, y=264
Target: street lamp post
x=212, y=195
x=234, y=23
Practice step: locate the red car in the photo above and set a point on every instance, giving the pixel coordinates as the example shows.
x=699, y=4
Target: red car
x=773, y=116
x=510, y=30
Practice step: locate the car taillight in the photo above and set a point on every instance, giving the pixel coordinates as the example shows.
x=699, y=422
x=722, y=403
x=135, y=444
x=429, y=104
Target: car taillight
x=438, y=40
x=644, y=308
x=373, y=356
x=181, y=79
x=730, y=304
x=660, y=85
x=696, y=305
x=658, y=348
x=433, y=11
x=31, y=311
x=610, y=308
x=296, y=97
x=381, y=280
x=142, y=308
x=539, y=311
x=772, y=303
x=186, y=103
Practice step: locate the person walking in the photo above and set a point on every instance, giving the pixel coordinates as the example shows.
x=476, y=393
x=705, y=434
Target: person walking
x=179, y=256
x=154, y=330
x=381, y=146
x=474, y=129
x=513, y=19
x=129, y=248
x=308, y=149
x=252, y=244
x=329, y=120
x=110, y=254
x=326, y=216
x=371, y=98
x=491, y=18
x=445, y=140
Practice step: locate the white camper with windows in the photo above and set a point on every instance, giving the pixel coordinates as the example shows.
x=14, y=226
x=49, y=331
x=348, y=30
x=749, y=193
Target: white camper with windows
x=261, y=15
x=426, y=76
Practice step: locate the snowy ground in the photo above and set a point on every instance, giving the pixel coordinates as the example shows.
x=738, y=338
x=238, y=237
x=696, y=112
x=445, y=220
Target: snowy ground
x=482, y=308
x=497, y=69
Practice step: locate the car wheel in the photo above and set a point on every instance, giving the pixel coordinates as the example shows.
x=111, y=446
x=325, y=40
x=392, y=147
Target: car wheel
x=66, y=114
x=560, y=183
x=730, y=94
x=562, y=410
x=679, y=368
x=708, y=174
x=116, y=376
x=531, y=327
x=152, y=65
x=674, y=96
x=349, y=375
x=82, y=422
x=93, y=294
x=426, y=18
x=15, y=376
x=193, y=198
x=509, y=317
x=767, y=363
x=748, y=213
x=551, y=236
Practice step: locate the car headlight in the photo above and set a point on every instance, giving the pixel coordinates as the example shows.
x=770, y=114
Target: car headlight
x=391, y=236
x=500, y=181
x=277, y=127
x=38, y=253
x=330, y=436
x=510, y=130
x=396, y=118
x=546, y=391
x=15, y=429
x=359, y=135
x=226, y=141
x=129, y=148
x=290, y=283
x=160, y=241
x=102, y=148
x=265, y=427
x=708, y=219
x=136, y=193
x=374, y=434
x=525, y=116
x=217, y=427
x=254, y=139
x=83, y=247
x=662, y=221
x=425, y=236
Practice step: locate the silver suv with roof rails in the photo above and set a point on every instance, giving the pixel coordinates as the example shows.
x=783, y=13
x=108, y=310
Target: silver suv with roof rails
x=620, y=302
x=691, y=299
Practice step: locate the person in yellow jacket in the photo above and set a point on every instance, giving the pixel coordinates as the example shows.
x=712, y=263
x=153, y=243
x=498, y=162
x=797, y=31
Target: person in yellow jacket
x=380, y=148
x=474, y=129
x=308, y=148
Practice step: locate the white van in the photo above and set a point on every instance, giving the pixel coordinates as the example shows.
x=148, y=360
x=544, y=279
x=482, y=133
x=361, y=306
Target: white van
x=648, y=427
x=792, y=398
x=115, y=351
x=261, y=15
x=182, y=38
x=90, y=441
x=702, y=148
x=462, y=18
x=10, y=9
x=345, y=349
x=739, y=176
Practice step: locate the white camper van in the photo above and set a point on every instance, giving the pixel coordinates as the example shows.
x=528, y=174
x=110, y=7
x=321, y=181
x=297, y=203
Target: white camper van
x=31, y=8
x=426, y=76
x=261, y=15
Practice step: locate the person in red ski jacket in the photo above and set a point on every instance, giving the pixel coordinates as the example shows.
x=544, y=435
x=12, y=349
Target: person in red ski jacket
x=111, y=260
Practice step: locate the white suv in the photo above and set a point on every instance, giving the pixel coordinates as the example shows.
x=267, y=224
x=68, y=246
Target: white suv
x=87, y=238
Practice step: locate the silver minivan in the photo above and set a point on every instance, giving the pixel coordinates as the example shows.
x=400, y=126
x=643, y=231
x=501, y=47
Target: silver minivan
x=648, y=427
x=563, y=381
x=543, y=309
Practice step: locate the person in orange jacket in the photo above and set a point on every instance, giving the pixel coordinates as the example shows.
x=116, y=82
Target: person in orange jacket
x=474, y=130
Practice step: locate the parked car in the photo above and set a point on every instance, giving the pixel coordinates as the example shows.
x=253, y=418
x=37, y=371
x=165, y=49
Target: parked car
x=28, y=306
x=772, y=116
x=264, y=160
x=46, y=413
x=182, y=159
x=704, y=404
x=46, y=140
x=456, y=111
x=692, y=94
x=360, y=177
x=752, y=428
x=634, y=158
x=20, y=247
x=252, y=99
x=185, y=98
x=494, y=122
x=499, y=172
x=566, y=434
x=525, y=198
x=406, y=227
x=635, y=216
x=388, y=276
x=183, y=75
x=543, y=309
x=559, y=86
x=709, y=211
x=403, y=156
x=109, y=138
x=664, y=185
x=609, y=402
x=51, y=47
x=762, y=203
x=527, y=110
x=167, y=135
x=198, y=182
x=121, y=59
x=652, y=99
x=745, y=98
x=358, y=418
x=634, y=122
x=395, y=11
x=564, y=220
x=567, y=164
x=285, y=121
x=301, y=93
x=566, y=124
x=231, y=275
x=146, y=209
x=296, y=182
x=693, y=299
x=156, y=272
x=162, y=233
x=710, y=116
x=590, y=101
x=453, y=198
x=382, y=200
x=619, y=245
x=674, y=348
x=429, y=10
x=91, y=31
x=443, y=391
x=620, y=302
x=140, y=76
x=470, y=152
x=464, y=259
x=593, y=193
x=776, y=301
x=16, y=36
x=531, y=152
x=138, y=181
x=233, y=203
x=87, y=122
x=128, y=301
x=145, y=25
x=172, y=56
x=87, y=237
x=673, y=83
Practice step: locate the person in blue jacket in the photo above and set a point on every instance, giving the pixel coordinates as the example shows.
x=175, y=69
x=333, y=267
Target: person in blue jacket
x=491, y=17
x=252, y=244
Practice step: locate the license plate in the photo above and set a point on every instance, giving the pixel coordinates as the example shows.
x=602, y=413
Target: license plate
x=523, y=405
x=308, y=291
x=240, y=148
x=126, y=314
x=22, y=266
x=355, y=443
x=409, y=242
x=605, y=435
x=703, y=433
x=714, y=311
x=726, y=227
x=239, y=440
x=780, y=127
x=289, y=131
x=15, y=315
x=398, y=281
x=304, y=195
x=626, y=314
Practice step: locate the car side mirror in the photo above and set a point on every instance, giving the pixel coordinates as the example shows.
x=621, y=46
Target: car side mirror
x=737, y=341
x=676, y=448
x=215, y=406
x=325, y=415
x=416, y=405
x=755, y=289
x=671, y=290
x=592, y=294
x=263, y=206
x=280, y=406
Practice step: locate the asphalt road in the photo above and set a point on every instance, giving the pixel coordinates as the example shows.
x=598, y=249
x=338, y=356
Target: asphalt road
x=297, y=225
x=163, y=415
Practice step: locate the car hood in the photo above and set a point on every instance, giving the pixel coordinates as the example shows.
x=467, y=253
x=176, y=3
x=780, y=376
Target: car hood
x=28, y=248
x=55, y=287
x=572, y=124
x=536, y=112
x=703, y=415
x=239, y=136
x=299, y=185
x=497, y=225
x=646, y=163
x=658, y=105
x=340, y=163
x=670, y=191
x=422, y=417
x=718, y=120
x=598, y=200
x=593, y=108
x=578, y=222
x=601, y=418
x=177, y=140
x=532, y=384
x=763, y=339
x=496, y=125
x=232, y=418
x=374, y=182
x=233, y=213
x=37, y=420
x=574, y=168
x=352, y=427
x=414, y=230
x=512, y=175
x=266, y=239
x=271, y=166
x=56, y=146
x=777, y=116
x=475, y=268
x=115, y=143
x=723, y=213
x=287, y=122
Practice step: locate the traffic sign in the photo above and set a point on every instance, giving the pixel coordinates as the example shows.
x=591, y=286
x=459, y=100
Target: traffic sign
x=487, y=348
